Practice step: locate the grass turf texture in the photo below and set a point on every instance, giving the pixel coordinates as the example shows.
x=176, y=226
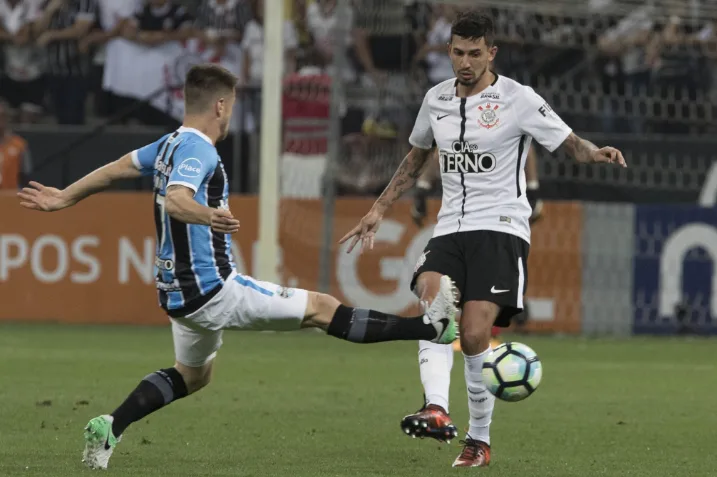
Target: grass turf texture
x=303, y=404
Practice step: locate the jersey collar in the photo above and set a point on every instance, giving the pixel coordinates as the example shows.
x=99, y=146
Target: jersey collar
x=455, y=84
x=199, y=133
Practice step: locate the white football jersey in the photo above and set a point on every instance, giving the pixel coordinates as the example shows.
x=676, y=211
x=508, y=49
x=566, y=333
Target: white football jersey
x=483, y=143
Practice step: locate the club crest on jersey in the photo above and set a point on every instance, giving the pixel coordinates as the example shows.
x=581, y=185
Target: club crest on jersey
x=488, y=115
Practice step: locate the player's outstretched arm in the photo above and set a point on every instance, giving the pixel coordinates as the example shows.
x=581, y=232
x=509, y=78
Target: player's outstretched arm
x=584, y=151
x=49, y=199
x=404, y=179
x=180, y=205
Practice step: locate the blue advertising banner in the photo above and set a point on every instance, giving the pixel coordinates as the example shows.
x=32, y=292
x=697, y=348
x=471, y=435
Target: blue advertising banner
x=674, y=288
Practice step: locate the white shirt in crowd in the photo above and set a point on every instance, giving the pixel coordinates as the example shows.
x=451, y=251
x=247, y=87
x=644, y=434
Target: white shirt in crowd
x=22, y=63
x=111, y=12
x=253, y=44
x=324, y=29
x=323, y=26
x=114, y=11
x=483, y=143
x=439, y=63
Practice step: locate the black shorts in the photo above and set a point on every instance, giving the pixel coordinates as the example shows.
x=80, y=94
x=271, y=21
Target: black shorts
x=485, y=265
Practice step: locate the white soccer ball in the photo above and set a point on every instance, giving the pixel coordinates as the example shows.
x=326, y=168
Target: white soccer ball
x=512, y=371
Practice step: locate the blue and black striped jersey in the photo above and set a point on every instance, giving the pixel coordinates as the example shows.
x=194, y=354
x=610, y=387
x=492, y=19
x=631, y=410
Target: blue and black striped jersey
x=192, y=261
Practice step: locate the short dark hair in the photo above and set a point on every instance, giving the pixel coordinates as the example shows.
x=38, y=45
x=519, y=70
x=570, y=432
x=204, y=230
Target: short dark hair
x=204, y=83
x=474, y=24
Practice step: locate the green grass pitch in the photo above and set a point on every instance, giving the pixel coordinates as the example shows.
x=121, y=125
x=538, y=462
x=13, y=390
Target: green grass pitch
x=304, y=404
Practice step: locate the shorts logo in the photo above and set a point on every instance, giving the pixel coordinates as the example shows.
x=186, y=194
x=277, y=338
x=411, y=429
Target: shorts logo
x=284, y=292
x=488, y=116
x=190, y=168
x=421, y=261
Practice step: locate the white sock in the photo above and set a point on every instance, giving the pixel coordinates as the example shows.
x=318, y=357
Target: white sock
x=435, y=362
x=480, y=400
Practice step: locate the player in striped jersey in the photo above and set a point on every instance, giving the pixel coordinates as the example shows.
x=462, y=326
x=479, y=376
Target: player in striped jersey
x=197, y=283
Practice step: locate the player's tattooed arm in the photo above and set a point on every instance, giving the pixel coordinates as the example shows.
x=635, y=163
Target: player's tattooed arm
x=578, y=148
x=586, y=152
x=404, y=179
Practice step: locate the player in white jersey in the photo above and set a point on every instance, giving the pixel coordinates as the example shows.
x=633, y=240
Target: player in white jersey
x=197, y=282
x=483, y=125
x=419, y=209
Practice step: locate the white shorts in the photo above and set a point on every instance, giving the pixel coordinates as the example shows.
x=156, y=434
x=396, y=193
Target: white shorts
x=242, y=304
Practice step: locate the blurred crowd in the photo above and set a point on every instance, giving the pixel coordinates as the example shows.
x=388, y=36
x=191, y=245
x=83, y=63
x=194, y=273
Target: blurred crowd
x=53, y=52
x=646, y=68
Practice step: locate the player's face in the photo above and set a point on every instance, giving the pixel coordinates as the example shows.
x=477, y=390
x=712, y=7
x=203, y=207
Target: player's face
x=225, y=107
x=471, y=59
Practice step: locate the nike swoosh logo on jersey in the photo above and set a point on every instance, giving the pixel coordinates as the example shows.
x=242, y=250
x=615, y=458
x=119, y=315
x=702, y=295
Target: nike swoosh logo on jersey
x=493, y=290
x=441, y=117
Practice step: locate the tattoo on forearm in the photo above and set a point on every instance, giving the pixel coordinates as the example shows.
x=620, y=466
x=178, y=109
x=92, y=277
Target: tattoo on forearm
x=579, y=149
x=405, y=177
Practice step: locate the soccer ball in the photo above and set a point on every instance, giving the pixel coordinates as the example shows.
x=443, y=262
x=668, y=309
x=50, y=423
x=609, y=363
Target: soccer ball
x=512, y=371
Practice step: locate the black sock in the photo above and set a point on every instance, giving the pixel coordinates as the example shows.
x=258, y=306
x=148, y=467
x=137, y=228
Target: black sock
x=154, y=392
x=360, y=325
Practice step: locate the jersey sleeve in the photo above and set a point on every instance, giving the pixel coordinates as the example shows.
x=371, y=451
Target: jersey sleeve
x=538, y=120
x=193, y=163
x=145, y=157
x=422, y=134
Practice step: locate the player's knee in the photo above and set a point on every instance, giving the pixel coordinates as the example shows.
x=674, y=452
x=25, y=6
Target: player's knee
x=477, y=322
x=320, y=310
x=195, y=378
x=473, y=335
x=428, y=285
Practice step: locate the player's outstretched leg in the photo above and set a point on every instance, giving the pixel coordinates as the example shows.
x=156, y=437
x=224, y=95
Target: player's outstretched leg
x=155, y=391
x=360, y=325
x=476, y=323
x=434, y=362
